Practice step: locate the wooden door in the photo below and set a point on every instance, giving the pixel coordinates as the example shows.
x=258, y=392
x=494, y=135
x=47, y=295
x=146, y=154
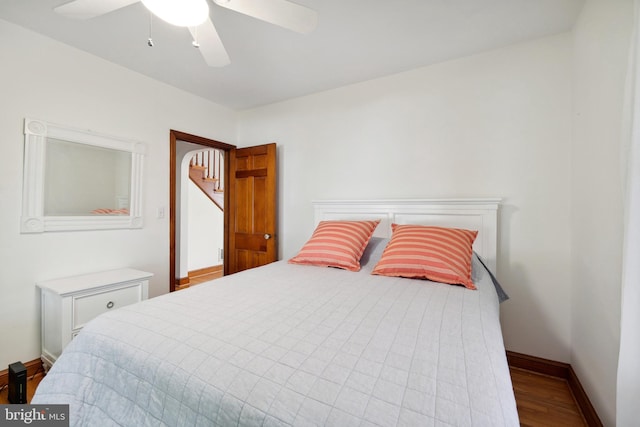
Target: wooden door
x=252, y=217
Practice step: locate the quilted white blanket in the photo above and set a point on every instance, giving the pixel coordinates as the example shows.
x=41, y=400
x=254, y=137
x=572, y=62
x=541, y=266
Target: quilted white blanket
x=295, y=345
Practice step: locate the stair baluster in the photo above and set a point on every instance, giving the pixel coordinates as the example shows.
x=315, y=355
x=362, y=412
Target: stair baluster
x=205, y=171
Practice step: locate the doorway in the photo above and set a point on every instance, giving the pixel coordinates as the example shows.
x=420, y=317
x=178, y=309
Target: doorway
x=181, y=144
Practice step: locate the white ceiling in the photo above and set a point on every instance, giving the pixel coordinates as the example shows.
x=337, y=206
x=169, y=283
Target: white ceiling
x=356, y=40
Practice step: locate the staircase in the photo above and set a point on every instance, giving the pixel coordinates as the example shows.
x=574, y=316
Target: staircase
x=206, y=170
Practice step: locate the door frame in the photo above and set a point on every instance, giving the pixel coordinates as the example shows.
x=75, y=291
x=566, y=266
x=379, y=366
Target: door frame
x=174, y=137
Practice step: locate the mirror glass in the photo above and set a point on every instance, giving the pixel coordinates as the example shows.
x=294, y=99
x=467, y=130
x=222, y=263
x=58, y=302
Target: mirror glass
x=83, y=180
x=79, y=180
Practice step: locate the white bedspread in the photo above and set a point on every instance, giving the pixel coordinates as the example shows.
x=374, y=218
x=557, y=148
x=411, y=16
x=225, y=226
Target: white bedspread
x=293, y=345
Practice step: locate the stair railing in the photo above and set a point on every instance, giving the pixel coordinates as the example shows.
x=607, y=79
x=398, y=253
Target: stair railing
x=206, y=168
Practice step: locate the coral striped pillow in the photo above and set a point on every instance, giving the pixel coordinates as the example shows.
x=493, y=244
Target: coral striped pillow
x=337, y=244
x=434, y=253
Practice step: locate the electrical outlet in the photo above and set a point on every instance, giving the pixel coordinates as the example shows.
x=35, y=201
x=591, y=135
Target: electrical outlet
x=160, y=213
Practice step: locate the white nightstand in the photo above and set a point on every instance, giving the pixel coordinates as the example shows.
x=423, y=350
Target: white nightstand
x=67, y=304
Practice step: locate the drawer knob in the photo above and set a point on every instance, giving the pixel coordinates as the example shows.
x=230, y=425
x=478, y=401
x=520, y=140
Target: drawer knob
x=110, y=304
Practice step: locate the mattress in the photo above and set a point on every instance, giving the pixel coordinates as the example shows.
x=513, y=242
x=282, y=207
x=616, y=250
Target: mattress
x=293, y=345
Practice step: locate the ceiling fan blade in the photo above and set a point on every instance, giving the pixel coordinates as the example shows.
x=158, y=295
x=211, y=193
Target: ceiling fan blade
x=282, y=13
x=210, y=45
x=87, y=9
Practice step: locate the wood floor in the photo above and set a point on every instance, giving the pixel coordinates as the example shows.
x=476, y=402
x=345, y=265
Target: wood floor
x=200, y=278
x=542, y=400
x=204, y=278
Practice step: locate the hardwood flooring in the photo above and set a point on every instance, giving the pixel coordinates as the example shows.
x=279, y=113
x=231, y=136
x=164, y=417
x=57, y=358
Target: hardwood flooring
x=201, y=278
x=204, y=278
x=542, y=400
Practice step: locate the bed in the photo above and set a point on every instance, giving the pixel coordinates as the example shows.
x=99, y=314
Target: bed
x=296, y=345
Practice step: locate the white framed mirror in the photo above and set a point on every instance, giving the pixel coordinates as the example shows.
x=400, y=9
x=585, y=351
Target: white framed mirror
x=79, y=180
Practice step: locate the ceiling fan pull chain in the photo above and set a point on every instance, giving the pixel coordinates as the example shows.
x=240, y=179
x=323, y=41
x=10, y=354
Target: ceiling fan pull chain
x=150, y=39
x=195, y=43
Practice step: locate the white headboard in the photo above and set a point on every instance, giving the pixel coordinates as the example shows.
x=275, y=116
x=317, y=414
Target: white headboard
x=471, y=214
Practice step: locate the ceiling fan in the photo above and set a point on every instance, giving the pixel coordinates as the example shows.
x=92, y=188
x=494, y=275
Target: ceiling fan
x=282, y=13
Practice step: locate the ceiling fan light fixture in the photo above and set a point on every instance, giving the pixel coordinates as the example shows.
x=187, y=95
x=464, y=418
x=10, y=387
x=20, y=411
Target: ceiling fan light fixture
x=181, y=13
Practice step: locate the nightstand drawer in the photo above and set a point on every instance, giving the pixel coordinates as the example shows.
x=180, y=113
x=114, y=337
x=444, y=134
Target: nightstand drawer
x=87, y=307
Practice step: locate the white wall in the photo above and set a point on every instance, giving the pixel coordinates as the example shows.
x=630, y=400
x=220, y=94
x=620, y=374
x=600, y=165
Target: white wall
x=494, y=124
x=206, y=230
x=601, y=39
x=44, y=79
